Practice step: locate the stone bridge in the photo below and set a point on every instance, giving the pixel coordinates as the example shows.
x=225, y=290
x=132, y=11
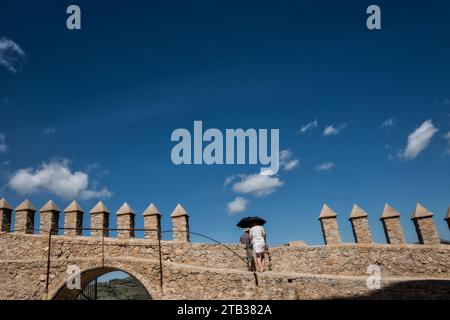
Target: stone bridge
x=34, y=261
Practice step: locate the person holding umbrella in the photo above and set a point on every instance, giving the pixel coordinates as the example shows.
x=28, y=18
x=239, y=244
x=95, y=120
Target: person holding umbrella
x=257, y=237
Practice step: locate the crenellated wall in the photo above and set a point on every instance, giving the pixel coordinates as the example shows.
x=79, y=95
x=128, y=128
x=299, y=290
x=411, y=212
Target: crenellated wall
x=216, y=271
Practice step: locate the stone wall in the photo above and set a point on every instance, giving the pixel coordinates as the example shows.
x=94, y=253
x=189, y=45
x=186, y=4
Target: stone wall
x=217, y=271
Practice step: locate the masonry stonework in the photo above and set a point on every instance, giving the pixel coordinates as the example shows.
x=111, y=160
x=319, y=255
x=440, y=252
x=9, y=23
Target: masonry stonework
x=73, y=220
x=360, y=225
x=391, y=224
x=180, y=224
x=25, y=217
x=425, y=227
x=329, y=224
x=49, y=218
x=5, y=216
x=125, y=221
x=152, y=222
x=219, y=271
x=99, y=220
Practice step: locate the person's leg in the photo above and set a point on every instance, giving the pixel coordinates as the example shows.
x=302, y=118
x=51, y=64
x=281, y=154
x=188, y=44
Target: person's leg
x=258, y=258
x=263, y=266
x=250, y=260
x=258, y=266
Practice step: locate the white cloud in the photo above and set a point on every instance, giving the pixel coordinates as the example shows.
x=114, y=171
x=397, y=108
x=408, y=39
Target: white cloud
x=418, y=140
x=447, y=137
x=286, y=161
x=3, y=145
x=333, y=130
x=257, y=184
x=57, y=178
x=325, y=166
x=49, y=130
x=11, y=55
x=92, y=194
x=389, y=123
x=238, y=205
x=444, y=101
x=231, y=179
x=309, y=126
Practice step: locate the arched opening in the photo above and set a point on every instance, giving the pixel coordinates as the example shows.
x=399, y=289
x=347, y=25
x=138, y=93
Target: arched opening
x=105, y=284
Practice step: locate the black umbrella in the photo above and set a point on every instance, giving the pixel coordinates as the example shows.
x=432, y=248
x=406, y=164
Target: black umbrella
x=249, y=221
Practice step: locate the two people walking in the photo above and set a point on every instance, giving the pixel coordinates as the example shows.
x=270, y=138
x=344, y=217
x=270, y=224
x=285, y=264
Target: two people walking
x=254, y=239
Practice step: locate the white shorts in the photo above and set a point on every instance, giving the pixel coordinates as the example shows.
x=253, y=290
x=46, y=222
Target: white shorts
x=259, y=246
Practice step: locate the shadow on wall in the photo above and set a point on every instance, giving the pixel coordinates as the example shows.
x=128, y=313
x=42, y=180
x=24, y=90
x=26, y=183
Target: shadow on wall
x=412, y=290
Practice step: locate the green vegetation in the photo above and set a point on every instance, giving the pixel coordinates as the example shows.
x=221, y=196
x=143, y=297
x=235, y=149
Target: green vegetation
x=121, y=289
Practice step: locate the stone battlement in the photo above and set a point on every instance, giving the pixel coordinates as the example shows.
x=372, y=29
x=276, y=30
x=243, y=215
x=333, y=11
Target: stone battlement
x=34, y=263
x=422, y=218
x=423, y=221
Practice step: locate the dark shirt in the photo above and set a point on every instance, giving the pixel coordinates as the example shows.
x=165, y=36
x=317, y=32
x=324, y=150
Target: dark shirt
x=245, y=239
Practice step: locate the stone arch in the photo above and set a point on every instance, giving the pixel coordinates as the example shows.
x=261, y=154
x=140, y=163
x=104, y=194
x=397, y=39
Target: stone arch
x=90, y=273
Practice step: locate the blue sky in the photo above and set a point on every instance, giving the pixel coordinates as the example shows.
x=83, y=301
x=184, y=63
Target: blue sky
x=88, y=114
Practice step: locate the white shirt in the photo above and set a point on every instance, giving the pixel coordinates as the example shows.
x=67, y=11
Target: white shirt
x=257, y=233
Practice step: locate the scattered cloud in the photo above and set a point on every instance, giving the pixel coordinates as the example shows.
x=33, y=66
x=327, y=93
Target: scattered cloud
x=3, y=146
x=258, y=185
x=447, y=137
x=325, y=166
x=333, y=130
x=418, y=140
x=11, y=55
x=55, y=177
x=389, y=123
x=96, y=169
x=94, y=194
x=50, y=130
x=263, y=183
x=312, y=125
x=231, y=179
x=238, y=205
x=286, y=161
x=444, y=101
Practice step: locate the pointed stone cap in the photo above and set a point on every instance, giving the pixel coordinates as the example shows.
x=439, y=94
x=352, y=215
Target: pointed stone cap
x=179, y=212
x=421, y=212
x=357, y=212
x=389, y=212
x=447, y=217
x=4, y=204
x=26, y=205
x=125, y=209
x=327, y=212
x=50, y=206
x=73, y=207
x=151, y=210
x=99, y=208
